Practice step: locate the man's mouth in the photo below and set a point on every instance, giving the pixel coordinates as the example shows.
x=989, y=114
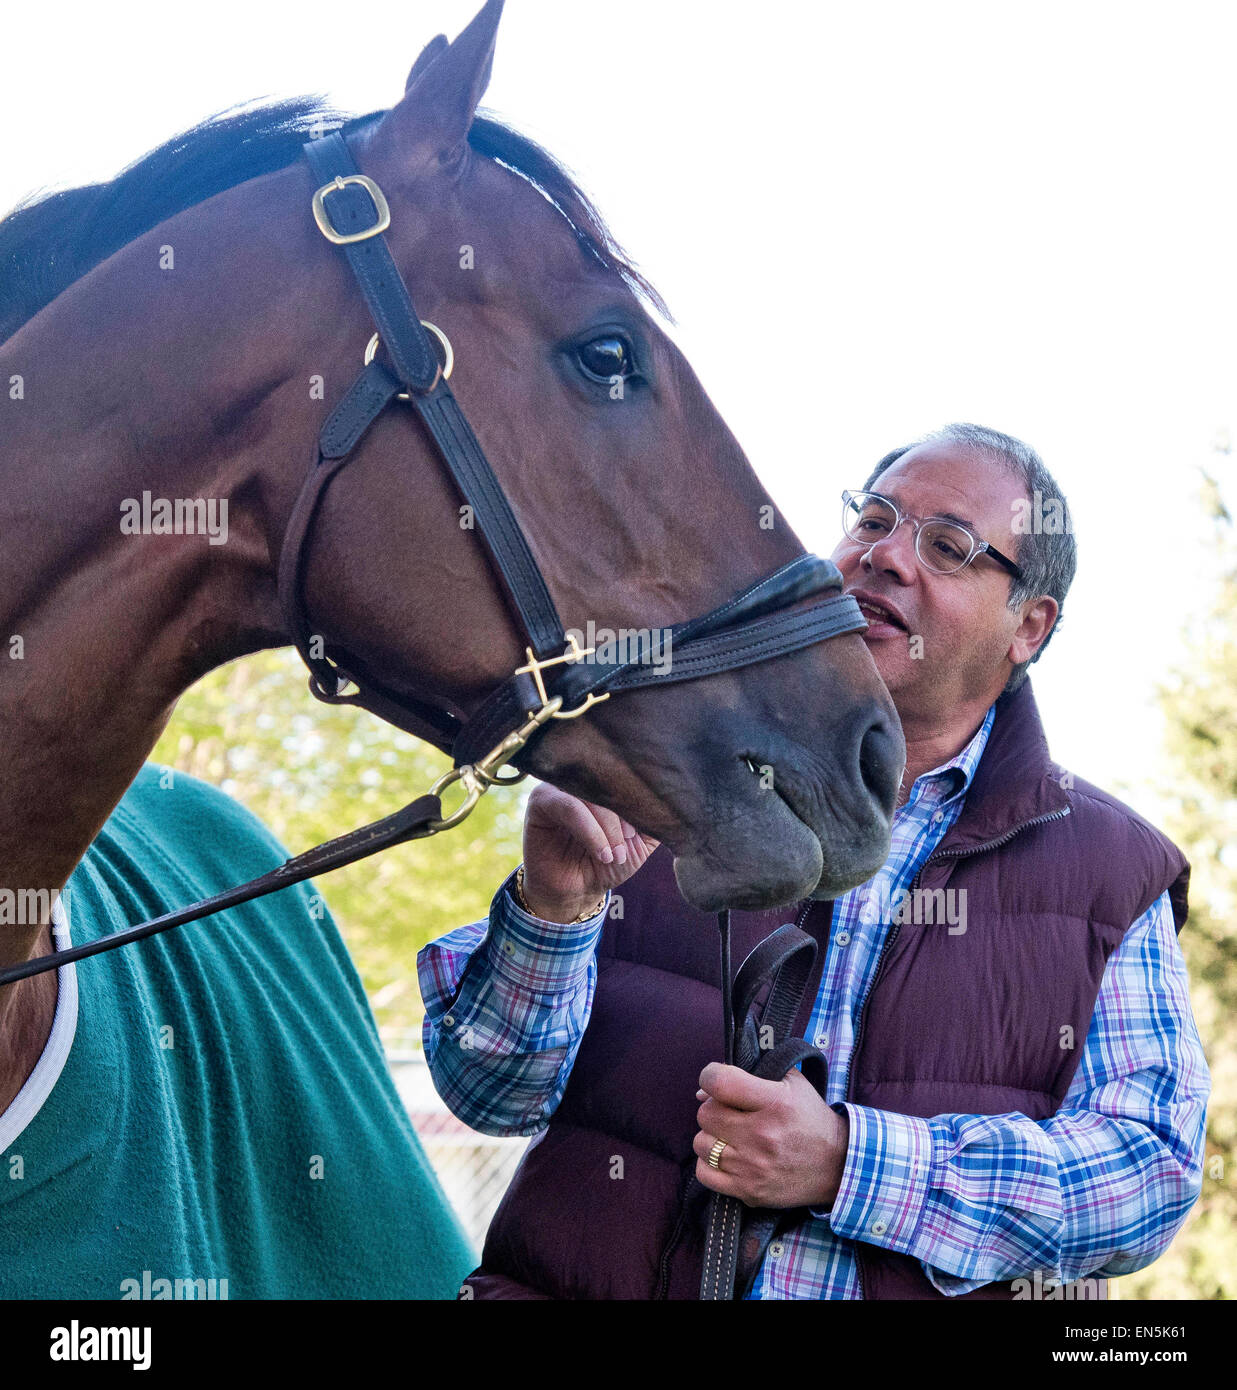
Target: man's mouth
x=882, y=617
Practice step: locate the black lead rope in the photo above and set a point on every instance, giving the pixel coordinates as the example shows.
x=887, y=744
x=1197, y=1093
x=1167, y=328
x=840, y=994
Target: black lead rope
x=723, y=927
x=415, y=821
x=779, y=968
x=724, y=1224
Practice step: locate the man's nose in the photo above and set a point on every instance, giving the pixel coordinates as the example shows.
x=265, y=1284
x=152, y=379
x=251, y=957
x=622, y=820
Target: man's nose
x=893, y=554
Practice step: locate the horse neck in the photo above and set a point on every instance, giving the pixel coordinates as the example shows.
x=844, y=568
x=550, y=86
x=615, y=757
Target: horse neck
x=139, y=379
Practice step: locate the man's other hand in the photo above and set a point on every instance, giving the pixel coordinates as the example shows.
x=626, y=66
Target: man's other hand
x=785, y=1146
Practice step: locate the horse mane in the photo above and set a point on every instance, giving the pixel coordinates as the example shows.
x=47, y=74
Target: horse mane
x=52, y=240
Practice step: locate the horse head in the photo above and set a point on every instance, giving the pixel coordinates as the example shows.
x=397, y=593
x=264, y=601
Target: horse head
x=767, y=783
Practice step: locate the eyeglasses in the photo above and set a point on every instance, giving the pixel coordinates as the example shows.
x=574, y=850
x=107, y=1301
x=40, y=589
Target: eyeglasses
x=943, y=546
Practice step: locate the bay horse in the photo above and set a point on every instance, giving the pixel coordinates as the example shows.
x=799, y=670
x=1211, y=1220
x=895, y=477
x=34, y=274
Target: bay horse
x=179, y=332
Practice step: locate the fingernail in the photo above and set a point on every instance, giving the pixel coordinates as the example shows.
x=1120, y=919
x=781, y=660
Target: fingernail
x=605, y=854
x=702, y=1095
x=620, y=853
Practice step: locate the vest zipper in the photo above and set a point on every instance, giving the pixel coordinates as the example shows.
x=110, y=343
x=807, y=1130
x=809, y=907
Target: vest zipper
x=937, y=855
x=934, y=858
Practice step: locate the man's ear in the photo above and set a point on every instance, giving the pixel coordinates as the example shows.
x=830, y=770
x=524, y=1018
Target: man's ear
x=429, y=127
x=1037, y=622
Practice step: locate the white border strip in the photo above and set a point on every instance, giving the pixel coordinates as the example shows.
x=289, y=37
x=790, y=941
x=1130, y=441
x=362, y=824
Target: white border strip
x=29, y=1100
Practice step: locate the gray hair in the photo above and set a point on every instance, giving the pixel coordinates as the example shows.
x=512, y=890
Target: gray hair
x=1047, y=559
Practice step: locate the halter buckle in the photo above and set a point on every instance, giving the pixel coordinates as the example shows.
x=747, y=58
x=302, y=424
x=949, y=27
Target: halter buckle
x=590, y=700
x=382, y=210
x=574, y=652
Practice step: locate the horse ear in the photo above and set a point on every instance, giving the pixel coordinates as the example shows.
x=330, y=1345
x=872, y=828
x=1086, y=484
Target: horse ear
x=438, y=44
x=443, y=89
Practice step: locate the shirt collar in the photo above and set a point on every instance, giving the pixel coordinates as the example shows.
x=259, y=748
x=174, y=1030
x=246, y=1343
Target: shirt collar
x=952, y=779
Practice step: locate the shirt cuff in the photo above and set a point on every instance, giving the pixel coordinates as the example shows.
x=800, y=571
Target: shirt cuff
x=885, y=1179
x=539, y=957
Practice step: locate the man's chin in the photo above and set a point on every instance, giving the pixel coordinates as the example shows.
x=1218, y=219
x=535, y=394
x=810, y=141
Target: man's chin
x=893, y=662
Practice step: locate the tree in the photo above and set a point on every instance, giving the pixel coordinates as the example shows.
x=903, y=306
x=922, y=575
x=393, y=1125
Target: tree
x=1200, y=705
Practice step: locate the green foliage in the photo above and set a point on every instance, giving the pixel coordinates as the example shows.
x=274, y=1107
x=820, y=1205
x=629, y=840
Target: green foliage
x=311, y=771
x=1200, y=705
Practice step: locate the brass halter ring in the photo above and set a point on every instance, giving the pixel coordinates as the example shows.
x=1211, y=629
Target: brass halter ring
x=446, y=354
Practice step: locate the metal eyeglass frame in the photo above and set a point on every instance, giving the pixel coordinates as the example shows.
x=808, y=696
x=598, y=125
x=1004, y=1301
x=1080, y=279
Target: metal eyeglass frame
x=978, y=547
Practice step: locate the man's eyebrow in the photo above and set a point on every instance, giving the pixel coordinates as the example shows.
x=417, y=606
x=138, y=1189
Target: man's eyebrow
x=944, y=516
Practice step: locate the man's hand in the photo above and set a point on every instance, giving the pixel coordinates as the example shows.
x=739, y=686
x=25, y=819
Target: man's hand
x=574, y=852
x=785, y=1147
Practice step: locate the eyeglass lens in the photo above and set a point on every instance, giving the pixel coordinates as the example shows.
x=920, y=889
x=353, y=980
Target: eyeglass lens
x=941, y=545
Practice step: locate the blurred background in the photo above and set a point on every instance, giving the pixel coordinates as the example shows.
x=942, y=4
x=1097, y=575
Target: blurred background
x=1021, y=216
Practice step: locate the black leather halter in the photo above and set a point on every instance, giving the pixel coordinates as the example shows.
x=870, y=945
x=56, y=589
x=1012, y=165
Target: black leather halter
x=557, y=682
x=352, y=213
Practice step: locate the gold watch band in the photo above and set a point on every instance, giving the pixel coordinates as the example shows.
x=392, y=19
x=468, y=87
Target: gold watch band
x=523, y=902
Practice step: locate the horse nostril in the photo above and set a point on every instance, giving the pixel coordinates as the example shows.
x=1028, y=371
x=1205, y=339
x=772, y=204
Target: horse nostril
x=880, y=763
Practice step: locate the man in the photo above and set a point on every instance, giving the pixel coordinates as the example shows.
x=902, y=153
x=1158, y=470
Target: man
x=1016, y=1094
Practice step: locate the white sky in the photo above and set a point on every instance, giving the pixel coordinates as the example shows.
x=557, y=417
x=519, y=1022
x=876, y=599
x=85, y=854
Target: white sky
x=1016, y=214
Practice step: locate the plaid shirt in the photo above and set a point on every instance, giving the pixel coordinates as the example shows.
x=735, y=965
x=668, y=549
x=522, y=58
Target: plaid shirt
x=1099, y=1188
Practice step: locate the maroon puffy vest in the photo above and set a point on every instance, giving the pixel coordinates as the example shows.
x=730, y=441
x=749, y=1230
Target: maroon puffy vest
x=1055, y=871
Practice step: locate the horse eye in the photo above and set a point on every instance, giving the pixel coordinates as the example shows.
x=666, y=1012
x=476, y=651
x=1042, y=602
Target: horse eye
x=607, y=357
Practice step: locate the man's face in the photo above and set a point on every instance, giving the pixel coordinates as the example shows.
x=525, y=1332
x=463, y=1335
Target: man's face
x=966, y=631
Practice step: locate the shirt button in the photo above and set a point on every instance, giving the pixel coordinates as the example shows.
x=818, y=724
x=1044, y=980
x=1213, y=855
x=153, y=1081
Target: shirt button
x=449, y=1021
x=776, y=1250
x=938, y=817
x=509, y=947
x=878, y=1228
x=822, y=1040
x=843, y=938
